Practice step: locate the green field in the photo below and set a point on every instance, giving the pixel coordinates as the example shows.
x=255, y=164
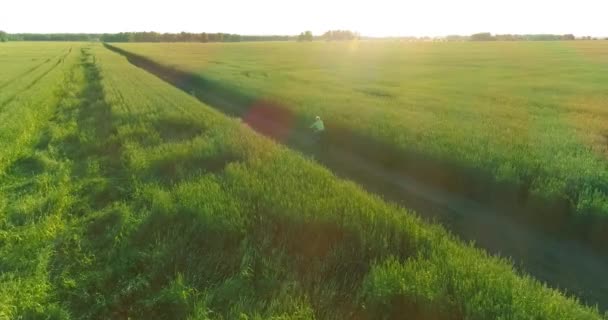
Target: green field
x=527, y=115
x=124, y=197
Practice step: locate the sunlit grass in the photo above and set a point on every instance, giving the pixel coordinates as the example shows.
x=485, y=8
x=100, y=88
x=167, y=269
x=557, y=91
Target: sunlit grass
x=137, y=201
x=525, y=113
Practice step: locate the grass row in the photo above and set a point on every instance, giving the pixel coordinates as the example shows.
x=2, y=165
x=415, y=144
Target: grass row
x=520, y=124
x=27, y=101
x=34, y=182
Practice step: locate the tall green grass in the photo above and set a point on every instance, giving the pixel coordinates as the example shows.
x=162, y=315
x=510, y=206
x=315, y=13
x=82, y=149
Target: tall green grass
x=525, y=114
x=147, y=204
x=19, y=59
x=34, y=183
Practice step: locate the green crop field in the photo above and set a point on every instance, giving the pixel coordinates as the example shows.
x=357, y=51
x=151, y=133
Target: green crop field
x=29, y=77
x=122, y=197
x=528, y=115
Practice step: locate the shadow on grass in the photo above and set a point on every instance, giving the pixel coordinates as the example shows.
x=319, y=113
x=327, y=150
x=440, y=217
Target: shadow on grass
x=95, y=144
x=30, y=165
x=173, y=169
x=177, y=129
x=219, y=254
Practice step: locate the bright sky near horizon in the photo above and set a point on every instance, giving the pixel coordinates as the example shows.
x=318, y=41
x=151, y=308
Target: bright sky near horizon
x=370, y=17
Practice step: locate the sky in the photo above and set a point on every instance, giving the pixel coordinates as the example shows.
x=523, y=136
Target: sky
x=262, y=17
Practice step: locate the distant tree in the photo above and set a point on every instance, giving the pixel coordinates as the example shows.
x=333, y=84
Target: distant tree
x=484, y=36
x=117, y=37
x=456, y=38
x=232, y=38
x=148, y=37
x=544, y=37
x=305, y=36
x=169, y=37
x=334, y=35
x=183, y=37
x=308, y=35
x=505, y=37
x=267, y=38
x=3, y=36
x=568, y=37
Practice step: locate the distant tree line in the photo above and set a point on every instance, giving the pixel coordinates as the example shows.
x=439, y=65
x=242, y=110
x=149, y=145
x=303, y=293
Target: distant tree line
x=338, y=35
x=305, y=36
x=490, y=37
x=534, y=37
x=142, y=37
x=332, y=35
x=170, y=37
x=267, y=38
x=486, y=36
x=187, y=37
x=51, y=37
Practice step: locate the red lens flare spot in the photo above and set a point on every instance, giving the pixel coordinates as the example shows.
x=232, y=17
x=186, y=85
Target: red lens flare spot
x=270, y=119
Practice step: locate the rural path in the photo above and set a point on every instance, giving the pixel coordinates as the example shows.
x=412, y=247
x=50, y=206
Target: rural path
x=561, y=263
